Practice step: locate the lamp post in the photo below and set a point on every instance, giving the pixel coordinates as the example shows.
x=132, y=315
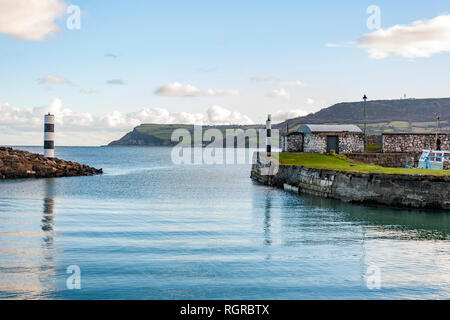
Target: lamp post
x=437, y=133
x=365, y=123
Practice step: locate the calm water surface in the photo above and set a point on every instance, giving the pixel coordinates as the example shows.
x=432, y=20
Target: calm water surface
x=148, y=229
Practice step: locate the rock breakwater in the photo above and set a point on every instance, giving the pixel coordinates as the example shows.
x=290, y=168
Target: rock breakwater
x=18, y=164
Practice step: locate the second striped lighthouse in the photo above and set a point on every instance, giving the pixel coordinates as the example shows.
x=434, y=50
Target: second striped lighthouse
x=269, y=135
x=49, y=136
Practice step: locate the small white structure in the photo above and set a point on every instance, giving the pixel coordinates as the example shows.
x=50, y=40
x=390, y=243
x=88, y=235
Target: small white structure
x=436, y=160
x=49, y=136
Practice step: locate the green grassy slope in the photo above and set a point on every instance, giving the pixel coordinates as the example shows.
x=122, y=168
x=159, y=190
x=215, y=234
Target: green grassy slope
x=341, y=163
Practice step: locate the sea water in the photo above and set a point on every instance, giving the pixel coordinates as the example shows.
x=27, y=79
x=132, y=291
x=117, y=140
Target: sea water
x=150, y=229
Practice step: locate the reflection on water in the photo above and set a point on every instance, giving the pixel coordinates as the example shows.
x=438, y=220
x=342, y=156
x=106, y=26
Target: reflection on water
x=48, y=208
x=27, y=267
x=267, y=240
x=409, y=247
x=206, y=232
x=412, y=224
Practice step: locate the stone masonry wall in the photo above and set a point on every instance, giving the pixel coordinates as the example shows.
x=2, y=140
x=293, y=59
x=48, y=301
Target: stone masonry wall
x=314, y=143
x=294, y=143
x=412, y=142
x=351, y=143
x=390, y=160
x=348, y=142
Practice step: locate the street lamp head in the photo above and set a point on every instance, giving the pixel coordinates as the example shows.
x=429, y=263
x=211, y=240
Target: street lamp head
x=365, y=97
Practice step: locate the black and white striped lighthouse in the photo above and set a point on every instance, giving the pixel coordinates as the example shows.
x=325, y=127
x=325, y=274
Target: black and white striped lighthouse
x=49, y=136
x=269, y=135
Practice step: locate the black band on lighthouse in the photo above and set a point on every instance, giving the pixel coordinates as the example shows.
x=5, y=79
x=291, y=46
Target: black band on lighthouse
x=49, y=144
x=49, y=127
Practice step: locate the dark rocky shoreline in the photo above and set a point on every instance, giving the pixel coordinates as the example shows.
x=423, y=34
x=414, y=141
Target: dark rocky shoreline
x=18, y=164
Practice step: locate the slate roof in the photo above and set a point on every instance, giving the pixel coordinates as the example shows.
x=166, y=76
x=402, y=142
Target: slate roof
x=315, y=128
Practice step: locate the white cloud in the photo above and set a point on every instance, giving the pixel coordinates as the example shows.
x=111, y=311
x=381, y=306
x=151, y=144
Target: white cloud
x=28, y=123
x=53, y=79
x=30, y=19
x=221, y=92
x=176, y=89
x=340, y=44
x=310, y=101
x=279, y=93
x=421, y=39
x=220, y=115
x=30, y=119
x=280, y=116
x=159, y=116
x=296, y=83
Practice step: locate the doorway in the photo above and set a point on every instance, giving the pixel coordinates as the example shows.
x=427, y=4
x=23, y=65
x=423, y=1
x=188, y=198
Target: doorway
x=332, y=144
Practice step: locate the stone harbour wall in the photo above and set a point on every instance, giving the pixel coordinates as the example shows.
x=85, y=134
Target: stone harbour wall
x=390, y=160
x=413, y=142
x=404, y=191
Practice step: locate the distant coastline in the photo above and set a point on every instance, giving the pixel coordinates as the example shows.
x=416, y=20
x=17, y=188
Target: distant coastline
x=160, y=135
x=403, y=115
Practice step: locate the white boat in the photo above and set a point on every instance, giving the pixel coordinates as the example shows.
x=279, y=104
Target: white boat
x=434, y=159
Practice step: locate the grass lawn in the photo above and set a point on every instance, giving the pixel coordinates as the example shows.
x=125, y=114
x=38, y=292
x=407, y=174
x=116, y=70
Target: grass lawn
x=340, y=162
x=373, y=148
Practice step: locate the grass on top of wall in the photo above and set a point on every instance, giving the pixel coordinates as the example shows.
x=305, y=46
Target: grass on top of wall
x=342, y=163
x=373, y=148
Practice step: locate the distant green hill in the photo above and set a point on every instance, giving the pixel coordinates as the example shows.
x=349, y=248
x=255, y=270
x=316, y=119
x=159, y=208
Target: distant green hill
x=161, y=134
x=406, y=115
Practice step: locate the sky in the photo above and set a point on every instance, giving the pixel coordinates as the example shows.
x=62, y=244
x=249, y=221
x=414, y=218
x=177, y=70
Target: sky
x=103, y=67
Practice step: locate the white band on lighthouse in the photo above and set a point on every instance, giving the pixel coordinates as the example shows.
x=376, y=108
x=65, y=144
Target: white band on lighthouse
x=49, y=136
x=269, y=135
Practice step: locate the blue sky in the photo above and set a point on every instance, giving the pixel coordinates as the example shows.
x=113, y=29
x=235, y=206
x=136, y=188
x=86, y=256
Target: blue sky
x=258, y=48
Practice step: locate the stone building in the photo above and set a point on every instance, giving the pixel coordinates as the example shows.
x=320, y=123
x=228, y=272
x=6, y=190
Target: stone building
x=413, y=142
x=325, y=138
x=314, y=138
x=292, y=142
